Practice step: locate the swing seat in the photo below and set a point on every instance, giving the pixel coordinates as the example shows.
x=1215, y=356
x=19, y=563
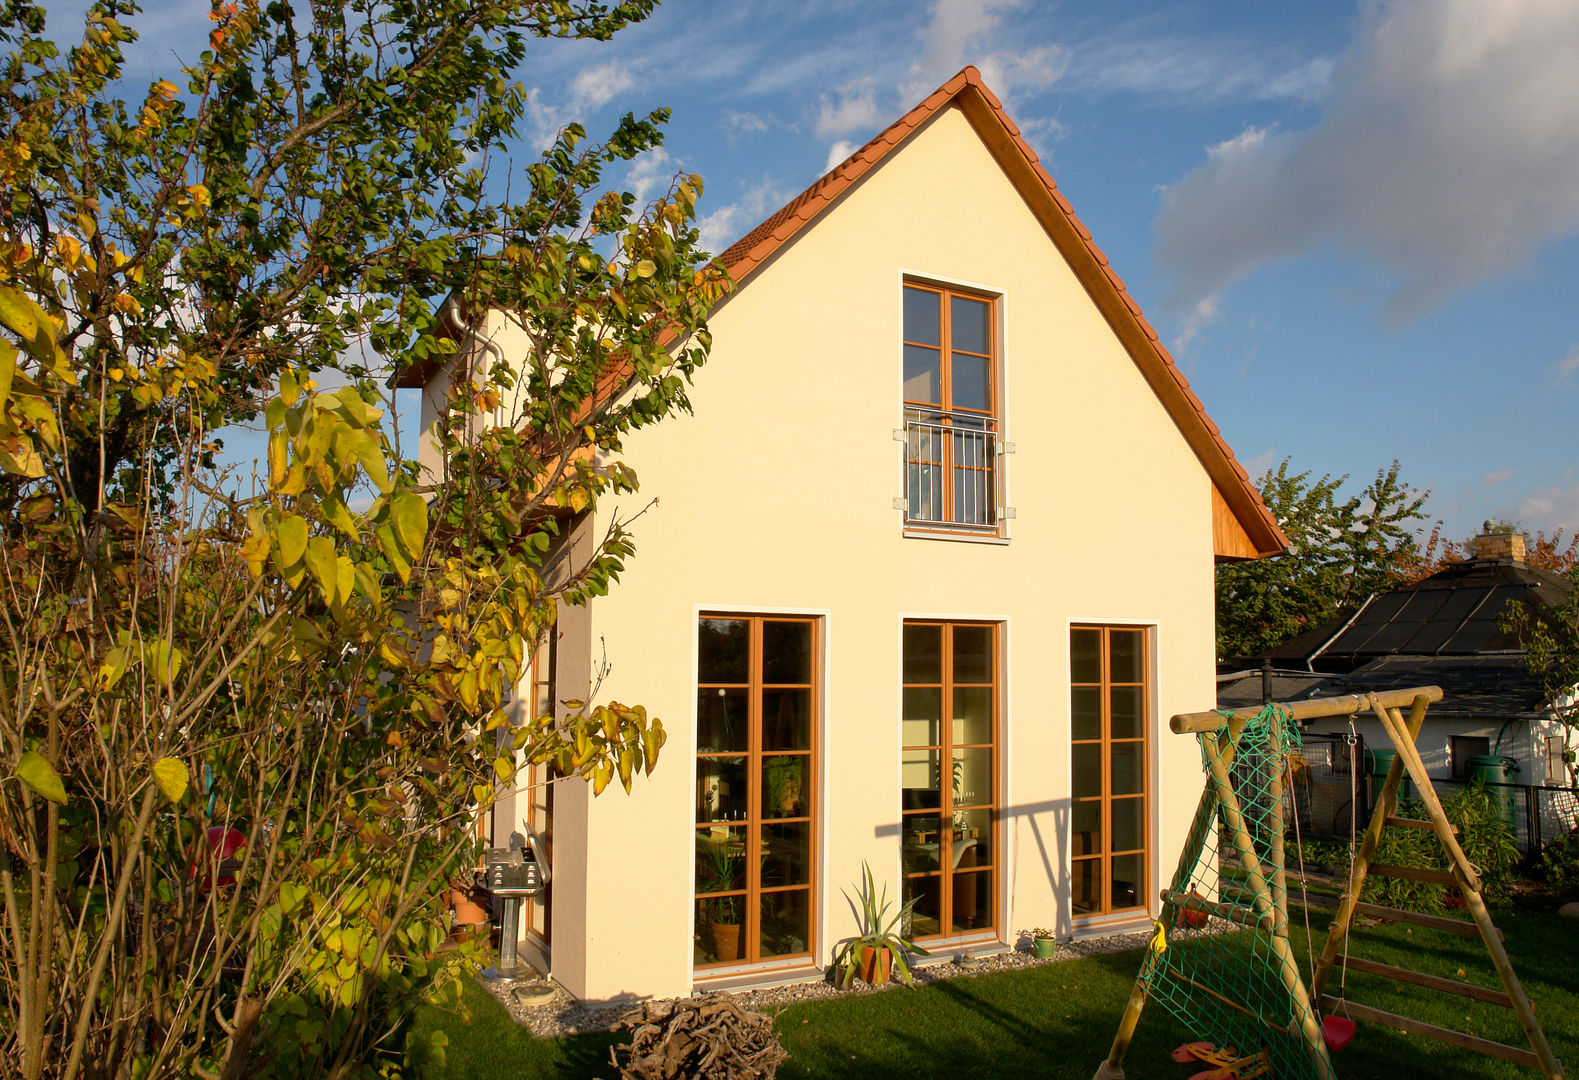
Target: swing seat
x=1336, y=1031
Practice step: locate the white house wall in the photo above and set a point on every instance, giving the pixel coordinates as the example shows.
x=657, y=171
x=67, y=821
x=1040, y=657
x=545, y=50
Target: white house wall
x=777, y=496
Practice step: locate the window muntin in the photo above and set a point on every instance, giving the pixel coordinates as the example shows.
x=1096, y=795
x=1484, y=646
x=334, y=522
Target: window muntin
x=951, y=409
x=950, y=725
x=756, y=788
x=1109, y=758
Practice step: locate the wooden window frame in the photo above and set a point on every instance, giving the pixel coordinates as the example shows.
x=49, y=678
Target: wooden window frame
x=945, y=750
x=751, y=895
x=1105, y=856
x=945, y=412
x=536, y=913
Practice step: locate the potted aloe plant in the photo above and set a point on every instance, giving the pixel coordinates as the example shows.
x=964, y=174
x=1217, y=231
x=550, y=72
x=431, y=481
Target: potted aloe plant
x=879, y=949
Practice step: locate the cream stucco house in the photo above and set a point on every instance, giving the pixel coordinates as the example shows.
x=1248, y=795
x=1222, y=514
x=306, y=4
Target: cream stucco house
x=930, y=567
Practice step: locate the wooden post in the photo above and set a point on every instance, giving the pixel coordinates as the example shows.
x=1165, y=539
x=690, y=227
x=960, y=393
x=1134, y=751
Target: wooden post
x=1275, y=841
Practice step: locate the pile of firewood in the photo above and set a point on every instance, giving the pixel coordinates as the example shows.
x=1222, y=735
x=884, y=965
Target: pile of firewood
x=708, y=1036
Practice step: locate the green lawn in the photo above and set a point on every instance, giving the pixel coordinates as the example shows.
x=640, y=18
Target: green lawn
x=1057, y=1020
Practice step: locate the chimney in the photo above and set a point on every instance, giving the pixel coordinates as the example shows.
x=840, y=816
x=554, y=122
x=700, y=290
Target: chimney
x=1499, y=543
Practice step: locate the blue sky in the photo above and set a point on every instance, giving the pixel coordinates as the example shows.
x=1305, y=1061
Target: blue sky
x=1357, y=227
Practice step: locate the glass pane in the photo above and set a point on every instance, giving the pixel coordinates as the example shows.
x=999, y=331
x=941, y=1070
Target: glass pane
x=923, y=309
x=1087, y=831
x=968, y=324
x=1129, y=824
x=972, y=838
x=972, y=896
x=786, y=719
x=1128, y=886
x=722, y=720
x=972, y=777
x=1126, y=661
x=1086, y=712
x=923, y=653
x=1085, y=656
x=1127, y=712
x=919, y=844
x=926, y=918
x=786, y=652
x=723, y=651
x=973, y=714
x=1085, y=886
x=721, y=789
x=786, y=786
x=786, y=917
x=973, y=485
x=968, y=382
x=718, y=922
x=924, y=487
x=919, y=777
x=923, y=719
x=1125, y=760
x=1085, y=772
x=973, y=654
x=923, y=374
x=786, y=854
x=720, y=859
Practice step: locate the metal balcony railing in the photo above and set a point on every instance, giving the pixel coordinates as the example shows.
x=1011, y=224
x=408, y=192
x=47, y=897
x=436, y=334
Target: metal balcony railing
x=951, y=472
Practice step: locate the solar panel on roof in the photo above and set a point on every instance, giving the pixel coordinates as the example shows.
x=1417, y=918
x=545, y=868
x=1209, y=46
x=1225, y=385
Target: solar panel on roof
x=1476, y=631
x=1456, y=606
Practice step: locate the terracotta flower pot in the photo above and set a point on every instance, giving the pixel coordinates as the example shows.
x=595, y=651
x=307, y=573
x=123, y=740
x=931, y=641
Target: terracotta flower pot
x=875, y=966
x=467, y=911
x=726, y=941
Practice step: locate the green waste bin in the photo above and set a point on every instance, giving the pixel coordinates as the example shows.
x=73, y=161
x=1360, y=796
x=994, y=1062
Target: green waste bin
x=1377, y=762
x=1492, y=770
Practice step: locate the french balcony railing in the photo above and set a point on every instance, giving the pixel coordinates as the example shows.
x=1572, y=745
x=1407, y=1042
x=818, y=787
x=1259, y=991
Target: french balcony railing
x=953, y=475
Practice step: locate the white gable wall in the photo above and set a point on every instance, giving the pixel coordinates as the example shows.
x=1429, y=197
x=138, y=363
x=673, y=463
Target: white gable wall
x=777, y=497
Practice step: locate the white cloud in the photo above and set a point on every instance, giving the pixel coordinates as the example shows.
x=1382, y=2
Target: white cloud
x=1449, y=151
x=1260, y=465
x=1492, y=479
x=725, y=225
x=953, y=31
x=1033, y=69
x=743, y=123
x=1568, y=367
x=653, y=169
x=855, y=110
x=1550, y=508
x=838, y=152
x=1206, y=312
x=1209, y=69
x=590, y=90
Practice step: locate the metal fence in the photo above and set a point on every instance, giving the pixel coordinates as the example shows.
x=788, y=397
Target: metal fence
x=1324, y=790
x=951, y=470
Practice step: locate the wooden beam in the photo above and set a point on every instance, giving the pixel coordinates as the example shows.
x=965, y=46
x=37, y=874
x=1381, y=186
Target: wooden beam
x=1311, y=709
x=1416, y=823
x=1431, y=1031
x=1417, y=918
x=1414, y=873
x=1230, y=542
x=1430, y=982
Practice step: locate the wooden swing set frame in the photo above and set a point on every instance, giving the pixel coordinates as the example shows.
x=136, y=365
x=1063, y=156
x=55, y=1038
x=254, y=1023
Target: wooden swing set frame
x=1270, y=887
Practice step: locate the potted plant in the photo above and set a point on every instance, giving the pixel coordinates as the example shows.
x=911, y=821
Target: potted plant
x=721, y=868
x=879, y=948
x=1043, y=942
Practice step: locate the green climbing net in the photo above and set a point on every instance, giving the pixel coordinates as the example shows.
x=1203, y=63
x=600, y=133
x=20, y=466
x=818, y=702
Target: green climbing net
x=1222, y=963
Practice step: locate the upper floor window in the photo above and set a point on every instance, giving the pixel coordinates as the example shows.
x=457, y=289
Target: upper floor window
x=952, y=479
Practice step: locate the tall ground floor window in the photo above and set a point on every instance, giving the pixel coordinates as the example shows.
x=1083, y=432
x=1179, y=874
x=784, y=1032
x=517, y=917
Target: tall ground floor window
x=539, y=793
x=949, y=776
x=1109, y=717
x=756, y=788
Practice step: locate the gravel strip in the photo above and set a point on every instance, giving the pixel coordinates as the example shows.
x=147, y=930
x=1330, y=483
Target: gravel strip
x=561, y=1014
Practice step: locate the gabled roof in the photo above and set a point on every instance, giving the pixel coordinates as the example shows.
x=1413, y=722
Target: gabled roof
x=1242, y=525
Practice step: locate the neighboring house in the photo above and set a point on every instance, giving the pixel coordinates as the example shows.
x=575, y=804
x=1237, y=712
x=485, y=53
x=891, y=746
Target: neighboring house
x=1444, y=630
x=931, y=566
